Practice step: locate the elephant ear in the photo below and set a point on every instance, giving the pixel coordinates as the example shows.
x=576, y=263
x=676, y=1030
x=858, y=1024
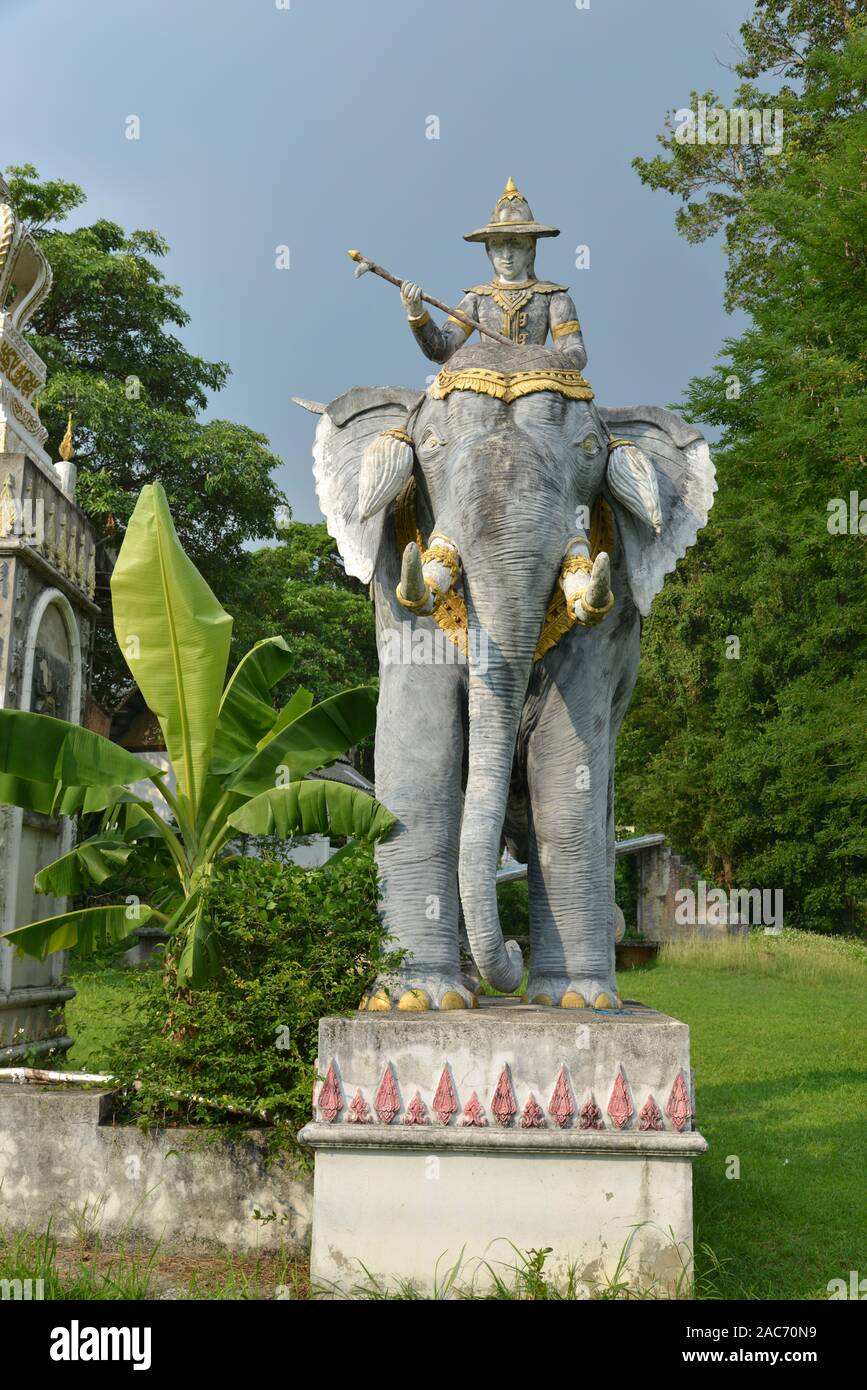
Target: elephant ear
x=345, y=429
x=686, y=481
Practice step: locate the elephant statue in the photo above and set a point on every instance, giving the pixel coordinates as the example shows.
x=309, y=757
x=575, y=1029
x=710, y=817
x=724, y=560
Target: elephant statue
x=498, y=517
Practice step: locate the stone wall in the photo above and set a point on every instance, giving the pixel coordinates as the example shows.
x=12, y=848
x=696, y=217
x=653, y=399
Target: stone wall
x=64, y=1160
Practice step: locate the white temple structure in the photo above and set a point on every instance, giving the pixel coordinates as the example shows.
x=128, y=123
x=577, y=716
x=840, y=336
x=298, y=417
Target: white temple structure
x=47, y=614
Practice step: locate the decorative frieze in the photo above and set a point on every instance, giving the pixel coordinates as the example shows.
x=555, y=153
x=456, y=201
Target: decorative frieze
x=504, y=1104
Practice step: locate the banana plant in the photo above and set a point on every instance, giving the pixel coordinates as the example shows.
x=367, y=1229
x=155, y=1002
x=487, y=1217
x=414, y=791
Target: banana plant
x=239, y=762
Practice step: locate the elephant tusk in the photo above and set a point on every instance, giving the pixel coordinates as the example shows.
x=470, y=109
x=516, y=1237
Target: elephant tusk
x=426, y=578
x=412, y=591
x=585, y=585
x=597, y=599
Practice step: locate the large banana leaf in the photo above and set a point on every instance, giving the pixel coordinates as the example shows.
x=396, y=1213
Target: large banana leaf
x=86, y=928
x=299, y=704
x=247, y=713
x=37, y=796
x=316, y=807
x=93, y=861
x=174, y=636
x=311, y=741
x=41, y=749
x=53, y=799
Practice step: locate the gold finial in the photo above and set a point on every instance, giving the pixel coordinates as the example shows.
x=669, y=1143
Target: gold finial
x=67, y=453
x=510, y=191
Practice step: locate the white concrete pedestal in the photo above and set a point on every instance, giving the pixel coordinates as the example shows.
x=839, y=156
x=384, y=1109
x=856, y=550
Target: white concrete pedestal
x=450, y=1138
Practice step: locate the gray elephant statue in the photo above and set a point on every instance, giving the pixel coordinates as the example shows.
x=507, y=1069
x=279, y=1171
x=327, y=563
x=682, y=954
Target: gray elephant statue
x=513, y=535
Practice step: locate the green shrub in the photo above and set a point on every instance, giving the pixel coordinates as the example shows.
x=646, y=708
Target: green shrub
x=294, y=944
x=514, y=908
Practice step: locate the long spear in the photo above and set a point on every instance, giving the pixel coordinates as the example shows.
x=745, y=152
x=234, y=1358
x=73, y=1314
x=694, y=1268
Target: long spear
x=464, y=319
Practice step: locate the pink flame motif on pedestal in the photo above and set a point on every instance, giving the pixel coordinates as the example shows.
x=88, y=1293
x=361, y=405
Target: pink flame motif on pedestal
x=650, y=1116
x=503, y=1104
x=678, y=1107
x=561, y=1106
x=620, y=1106
x=532, y=1118
x=359, y=1110
x=330, y=1100
x=416, y=1112
x=445, y=1102
x=591, y=1115
x=473, y=1113
x=386, y=1102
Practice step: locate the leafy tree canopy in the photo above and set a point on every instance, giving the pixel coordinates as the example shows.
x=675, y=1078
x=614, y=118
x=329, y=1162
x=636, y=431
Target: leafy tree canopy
x=108, y=333
x=747, y=739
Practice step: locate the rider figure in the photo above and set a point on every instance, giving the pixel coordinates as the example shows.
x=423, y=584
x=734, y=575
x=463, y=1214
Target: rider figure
x=514, y=302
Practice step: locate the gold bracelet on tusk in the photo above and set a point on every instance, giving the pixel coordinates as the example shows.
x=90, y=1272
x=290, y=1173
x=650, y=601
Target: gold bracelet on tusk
x=414, y=605
x=597, y=614
x=575, y=564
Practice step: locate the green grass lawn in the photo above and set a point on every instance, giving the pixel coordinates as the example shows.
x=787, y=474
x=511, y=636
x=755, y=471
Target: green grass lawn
x=779, y=1049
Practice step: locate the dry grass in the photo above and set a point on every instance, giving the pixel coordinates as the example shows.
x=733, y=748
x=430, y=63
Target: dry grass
x=795, y=957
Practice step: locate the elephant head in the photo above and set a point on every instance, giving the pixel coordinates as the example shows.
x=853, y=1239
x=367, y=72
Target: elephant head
x=509, y=453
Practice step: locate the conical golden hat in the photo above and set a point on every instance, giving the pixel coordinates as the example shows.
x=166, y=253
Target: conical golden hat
x=511, y=216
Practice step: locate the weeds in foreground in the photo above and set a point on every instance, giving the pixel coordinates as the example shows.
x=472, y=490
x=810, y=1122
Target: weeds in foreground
x=35, y=1267
x=526, y=1277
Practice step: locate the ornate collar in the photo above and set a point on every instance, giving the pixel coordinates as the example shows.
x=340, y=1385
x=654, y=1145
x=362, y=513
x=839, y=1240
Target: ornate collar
x=537, y=286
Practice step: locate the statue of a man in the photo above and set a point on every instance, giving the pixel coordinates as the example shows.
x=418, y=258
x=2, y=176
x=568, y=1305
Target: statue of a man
x=514, y=302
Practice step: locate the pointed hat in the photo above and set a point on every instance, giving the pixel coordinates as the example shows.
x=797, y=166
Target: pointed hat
x=512, y=217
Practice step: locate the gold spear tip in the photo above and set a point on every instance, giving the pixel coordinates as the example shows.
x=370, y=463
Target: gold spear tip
x=67, y=453
x=356, y=255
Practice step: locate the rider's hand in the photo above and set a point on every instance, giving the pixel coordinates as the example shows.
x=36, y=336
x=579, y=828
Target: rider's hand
x=412, y=301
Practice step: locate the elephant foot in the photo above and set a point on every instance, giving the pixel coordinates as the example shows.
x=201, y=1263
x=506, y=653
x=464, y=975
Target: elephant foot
x=586, y=992
x=417, y=993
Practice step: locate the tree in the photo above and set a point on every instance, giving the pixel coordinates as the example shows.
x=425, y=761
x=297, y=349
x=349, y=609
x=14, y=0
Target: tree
x=747, y=740
x=300, y=591
x=108, y=334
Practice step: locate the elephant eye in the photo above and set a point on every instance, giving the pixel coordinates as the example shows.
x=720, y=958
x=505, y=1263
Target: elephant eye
x=590, y=444
x=430, y=440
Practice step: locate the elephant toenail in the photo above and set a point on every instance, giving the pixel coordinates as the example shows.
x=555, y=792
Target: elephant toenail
x=602, y=1001
x=379, y=1003
x=414, y=1001
x=543, y=999
x=571, y=1000
x=452, y=1000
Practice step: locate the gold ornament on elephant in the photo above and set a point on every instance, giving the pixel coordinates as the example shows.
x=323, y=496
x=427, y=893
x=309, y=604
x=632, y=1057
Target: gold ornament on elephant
x=450, y=610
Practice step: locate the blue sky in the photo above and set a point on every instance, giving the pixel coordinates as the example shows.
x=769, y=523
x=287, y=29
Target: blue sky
x=306, y=127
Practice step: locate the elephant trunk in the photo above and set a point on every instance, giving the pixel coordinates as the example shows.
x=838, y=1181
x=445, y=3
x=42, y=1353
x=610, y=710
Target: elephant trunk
x=504, y=630
x=493, y=729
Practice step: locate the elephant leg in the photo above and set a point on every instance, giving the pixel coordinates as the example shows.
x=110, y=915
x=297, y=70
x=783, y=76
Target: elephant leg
x=571, y=860
x=419, y=750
